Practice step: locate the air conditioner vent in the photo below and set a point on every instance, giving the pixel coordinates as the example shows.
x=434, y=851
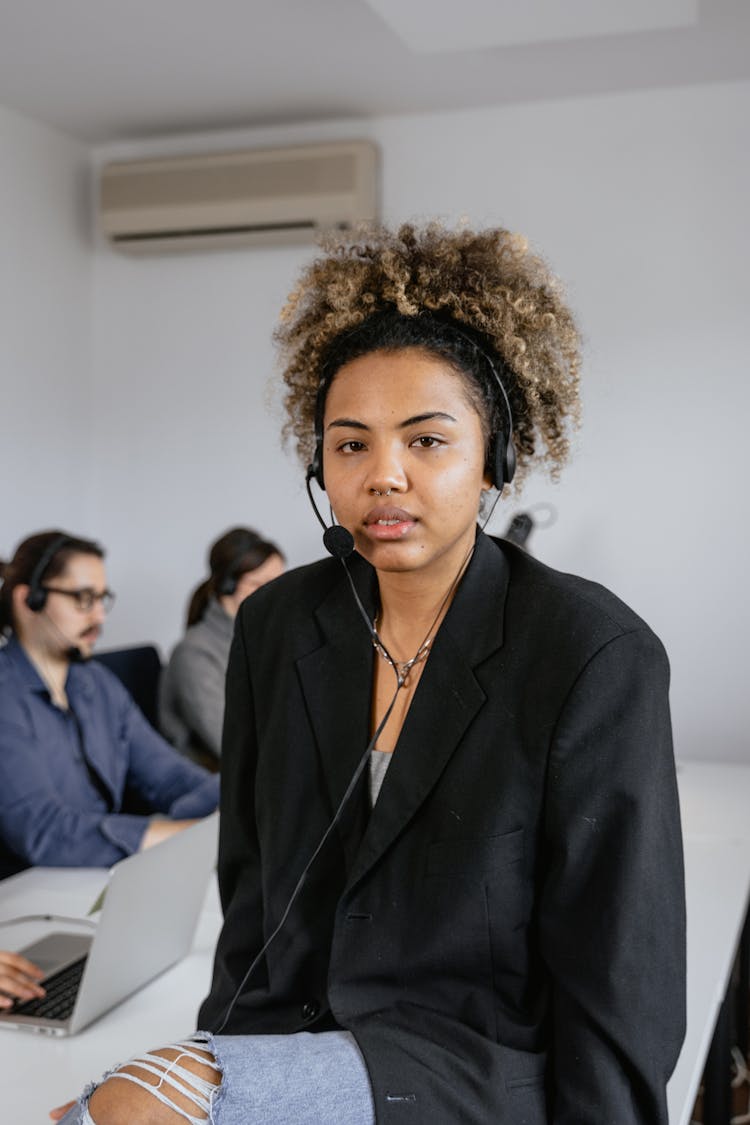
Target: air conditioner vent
x=260, y=197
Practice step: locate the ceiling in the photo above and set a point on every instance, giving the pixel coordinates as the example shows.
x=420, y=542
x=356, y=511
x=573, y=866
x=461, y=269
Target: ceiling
x=104, y=70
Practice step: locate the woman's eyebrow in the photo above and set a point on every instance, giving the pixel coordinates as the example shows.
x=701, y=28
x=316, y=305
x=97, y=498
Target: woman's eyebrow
x=430, y=415
x=347, y=423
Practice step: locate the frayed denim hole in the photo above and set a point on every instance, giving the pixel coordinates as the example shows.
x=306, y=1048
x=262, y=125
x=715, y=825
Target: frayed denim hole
x=82, y=1104
x=207, y=1041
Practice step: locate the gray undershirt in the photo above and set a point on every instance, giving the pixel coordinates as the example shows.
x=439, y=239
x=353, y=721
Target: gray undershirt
x=379, y=763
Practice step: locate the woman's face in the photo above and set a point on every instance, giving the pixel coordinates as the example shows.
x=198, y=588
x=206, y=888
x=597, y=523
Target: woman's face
x=402, y=420
x=252, y=580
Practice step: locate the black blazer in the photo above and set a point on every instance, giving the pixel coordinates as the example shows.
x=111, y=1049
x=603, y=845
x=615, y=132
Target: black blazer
x=504, y=934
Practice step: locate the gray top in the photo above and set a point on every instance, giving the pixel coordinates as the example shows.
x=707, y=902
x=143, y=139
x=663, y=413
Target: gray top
x=191, y=692
x=379, y=763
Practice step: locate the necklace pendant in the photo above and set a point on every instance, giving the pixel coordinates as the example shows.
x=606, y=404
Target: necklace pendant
x=402, y=671
x=401, y=668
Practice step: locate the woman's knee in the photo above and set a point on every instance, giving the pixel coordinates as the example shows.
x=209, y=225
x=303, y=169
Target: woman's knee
x=168, y=1086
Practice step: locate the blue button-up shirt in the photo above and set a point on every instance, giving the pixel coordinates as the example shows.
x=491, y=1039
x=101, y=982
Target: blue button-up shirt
x=63, y=774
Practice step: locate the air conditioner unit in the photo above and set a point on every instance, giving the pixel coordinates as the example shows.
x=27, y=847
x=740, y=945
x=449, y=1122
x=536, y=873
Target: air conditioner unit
x=262, y=197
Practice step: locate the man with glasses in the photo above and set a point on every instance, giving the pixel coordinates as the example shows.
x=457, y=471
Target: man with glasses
x=73, y=745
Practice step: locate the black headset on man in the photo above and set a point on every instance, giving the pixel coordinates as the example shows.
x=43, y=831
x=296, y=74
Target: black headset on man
x=36, y=598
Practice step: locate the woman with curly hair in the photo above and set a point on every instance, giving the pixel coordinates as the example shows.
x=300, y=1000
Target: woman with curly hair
x=450, y=857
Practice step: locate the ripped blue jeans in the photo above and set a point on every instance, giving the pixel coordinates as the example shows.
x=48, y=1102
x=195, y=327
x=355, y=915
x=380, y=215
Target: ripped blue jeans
x=301, y=1079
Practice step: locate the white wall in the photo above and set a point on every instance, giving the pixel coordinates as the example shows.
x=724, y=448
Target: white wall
x=45, y=291
x=640, y=201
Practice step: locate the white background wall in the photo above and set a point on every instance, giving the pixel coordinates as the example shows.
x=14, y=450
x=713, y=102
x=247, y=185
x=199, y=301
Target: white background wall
x=639, y=201
x=45, y=297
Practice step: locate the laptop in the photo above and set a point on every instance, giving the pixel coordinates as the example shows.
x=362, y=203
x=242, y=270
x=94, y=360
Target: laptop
x=151, y=906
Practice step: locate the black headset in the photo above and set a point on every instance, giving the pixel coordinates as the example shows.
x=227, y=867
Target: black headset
x=502, y=451
x=36, y=599
x=228, y=585
x=501, y=456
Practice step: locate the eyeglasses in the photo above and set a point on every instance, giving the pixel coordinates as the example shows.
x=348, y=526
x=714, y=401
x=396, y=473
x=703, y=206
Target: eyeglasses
x=86, y=598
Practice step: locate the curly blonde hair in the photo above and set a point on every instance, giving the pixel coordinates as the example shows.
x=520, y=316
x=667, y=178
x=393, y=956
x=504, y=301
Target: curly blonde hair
x=486, y=282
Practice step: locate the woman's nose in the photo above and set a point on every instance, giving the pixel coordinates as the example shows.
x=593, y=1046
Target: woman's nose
x=387, y=473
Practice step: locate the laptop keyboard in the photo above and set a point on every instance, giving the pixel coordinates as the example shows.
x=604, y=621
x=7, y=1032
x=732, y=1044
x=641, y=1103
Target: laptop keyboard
x=61, y=989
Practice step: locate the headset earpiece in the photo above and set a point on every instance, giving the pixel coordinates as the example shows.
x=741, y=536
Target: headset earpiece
x=510, y=460
x=227, y=586
x=36, y=599
x=315, y=468
x=502, y=454
x=502, y=460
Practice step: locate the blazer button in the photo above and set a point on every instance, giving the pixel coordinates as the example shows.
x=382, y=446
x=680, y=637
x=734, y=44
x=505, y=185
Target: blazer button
x=310, y=1009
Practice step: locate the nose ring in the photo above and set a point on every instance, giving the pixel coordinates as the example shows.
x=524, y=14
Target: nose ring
x=379, y=493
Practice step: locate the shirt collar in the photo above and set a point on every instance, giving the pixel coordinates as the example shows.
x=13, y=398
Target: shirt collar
x=23, y=667
x=76, y=681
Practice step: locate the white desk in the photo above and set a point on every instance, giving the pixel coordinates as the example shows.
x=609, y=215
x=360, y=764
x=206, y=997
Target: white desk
x=717, y=879
x=715, y=802
x=39, y=1072
x=715, y=806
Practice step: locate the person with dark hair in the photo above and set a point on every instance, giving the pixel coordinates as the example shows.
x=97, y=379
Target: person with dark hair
x=73, y=744
x=450, y=857
x=191, y=690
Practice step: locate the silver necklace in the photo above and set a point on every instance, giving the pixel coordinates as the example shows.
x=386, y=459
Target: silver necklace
x=402, y=668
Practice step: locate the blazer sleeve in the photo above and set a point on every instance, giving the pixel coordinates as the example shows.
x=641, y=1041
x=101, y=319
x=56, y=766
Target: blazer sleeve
x=239, y=866
x=612, y=910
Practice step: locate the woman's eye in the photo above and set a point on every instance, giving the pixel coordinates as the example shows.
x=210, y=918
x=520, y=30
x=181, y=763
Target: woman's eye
x=352, y=447
x=426, y=441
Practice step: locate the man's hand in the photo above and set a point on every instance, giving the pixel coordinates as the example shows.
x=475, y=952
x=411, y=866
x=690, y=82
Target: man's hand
x=161, y=829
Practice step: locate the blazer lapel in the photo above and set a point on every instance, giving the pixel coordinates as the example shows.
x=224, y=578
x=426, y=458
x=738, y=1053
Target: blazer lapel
x=81, y=692
x=336, y=681
x=446, y=700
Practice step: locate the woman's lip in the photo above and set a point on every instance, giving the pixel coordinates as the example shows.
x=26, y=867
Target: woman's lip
x=388, y=523
x=383, y=513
